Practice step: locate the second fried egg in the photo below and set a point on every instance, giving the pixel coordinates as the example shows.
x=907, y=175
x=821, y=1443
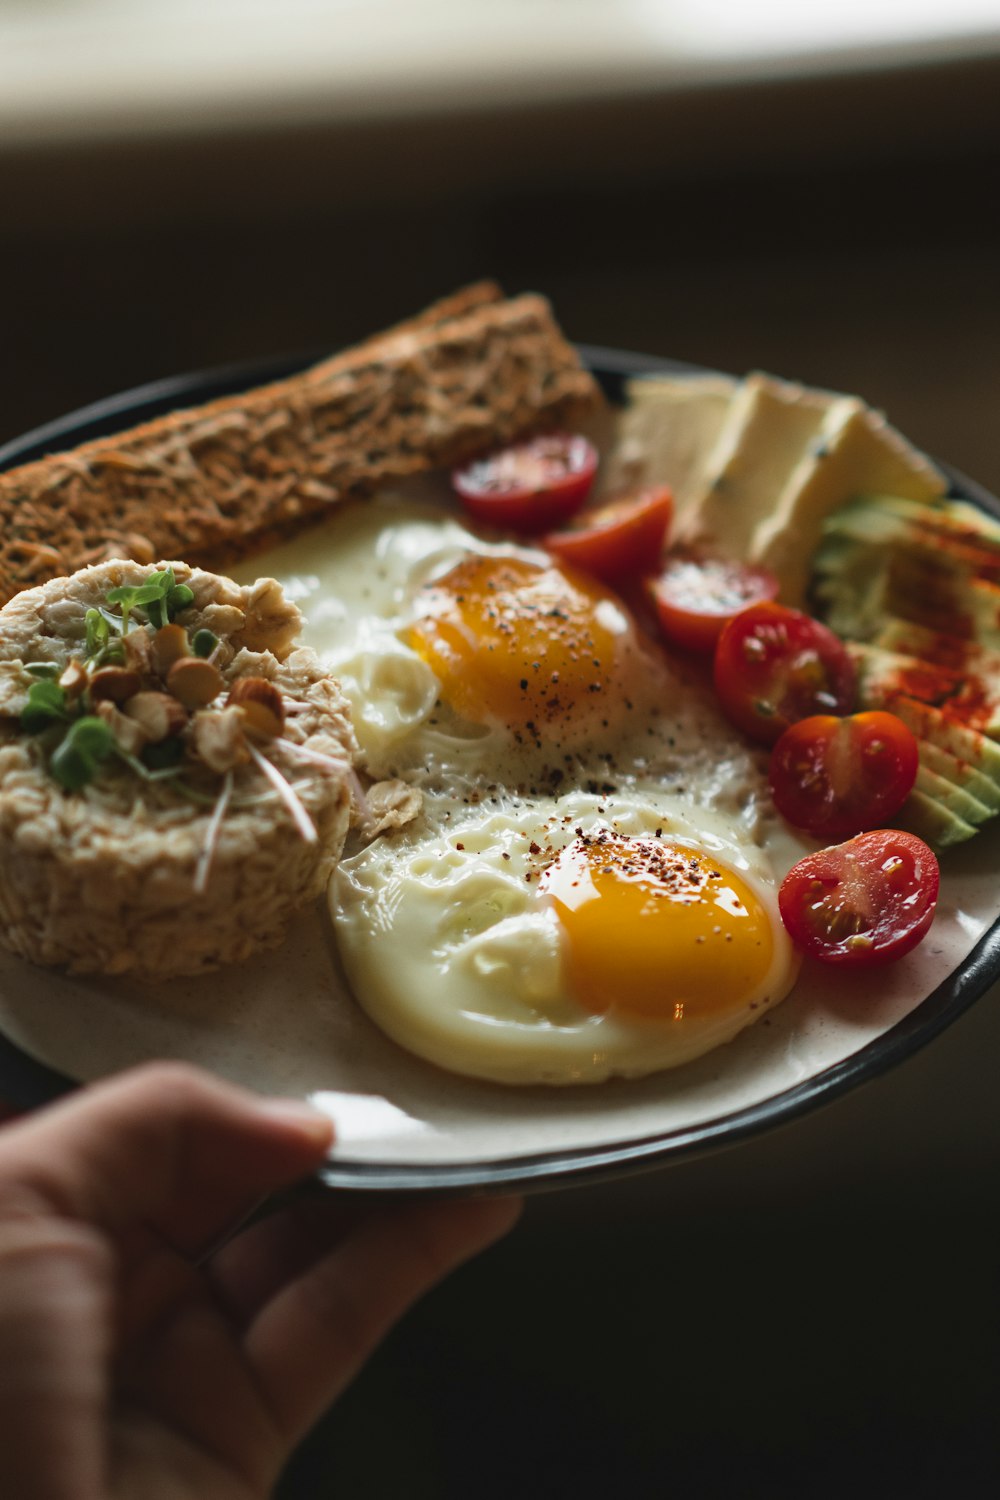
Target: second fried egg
x=560, y=942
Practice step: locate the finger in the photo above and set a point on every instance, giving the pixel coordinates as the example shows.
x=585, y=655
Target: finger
x=57, y=1288
x=165, y=1144
x=309, y=1342
x=253, y=1266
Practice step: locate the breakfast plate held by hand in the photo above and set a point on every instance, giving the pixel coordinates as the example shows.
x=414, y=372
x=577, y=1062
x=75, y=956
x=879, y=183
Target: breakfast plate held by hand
x=490, y=799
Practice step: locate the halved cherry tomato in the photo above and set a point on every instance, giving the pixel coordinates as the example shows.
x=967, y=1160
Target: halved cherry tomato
x=618, y=541
x=834, y=777
x=774, y=666
x=696, y=596
x=862, y=903
x=531, y=486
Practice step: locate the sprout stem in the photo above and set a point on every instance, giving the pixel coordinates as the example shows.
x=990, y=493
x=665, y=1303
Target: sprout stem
x=287, y=794
x=212, y=835
x=313, y=756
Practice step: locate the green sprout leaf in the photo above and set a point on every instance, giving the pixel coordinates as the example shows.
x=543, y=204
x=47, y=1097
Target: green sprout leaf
x=150, y=596
x=204, y=643
x=114, y=622
x=98, y=631
x=92, y=736
x=46, y=705
x=71, y=769
x=179, y=599
x=85, y=744
x=161, y=596
x=48, y=669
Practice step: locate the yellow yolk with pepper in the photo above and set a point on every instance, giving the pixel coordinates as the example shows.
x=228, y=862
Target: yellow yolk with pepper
x=543, y=650
x=658, y=929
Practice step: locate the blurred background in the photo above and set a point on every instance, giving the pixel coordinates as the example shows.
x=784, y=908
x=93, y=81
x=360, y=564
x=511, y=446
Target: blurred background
x=807, y=188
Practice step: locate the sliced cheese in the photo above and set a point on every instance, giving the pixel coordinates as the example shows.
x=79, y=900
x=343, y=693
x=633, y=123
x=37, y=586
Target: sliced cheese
x=666, y=433
x=769, y=428
x=857, y=452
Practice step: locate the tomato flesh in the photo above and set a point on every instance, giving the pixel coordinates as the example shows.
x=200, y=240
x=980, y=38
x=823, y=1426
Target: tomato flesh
x=862, y=903
x=696, y=596
x=621, y=540
x=529, y=487
x=838, y=776
x=774, y=666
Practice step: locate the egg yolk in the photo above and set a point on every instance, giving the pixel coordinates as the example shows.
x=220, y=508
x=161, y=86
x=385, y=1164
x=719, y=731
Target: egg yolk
x=520, y=644
x=657, y=929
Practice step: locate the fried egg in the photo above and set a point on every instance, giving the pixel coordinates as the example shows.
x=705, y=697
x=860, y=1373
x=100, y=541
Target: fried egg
x=587, y=892
x=473, y=665
x=557, y=942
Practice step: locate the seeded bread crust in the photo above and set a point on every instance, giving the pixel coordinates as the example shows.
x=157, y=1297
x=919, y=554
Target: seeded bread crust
x=218, y=481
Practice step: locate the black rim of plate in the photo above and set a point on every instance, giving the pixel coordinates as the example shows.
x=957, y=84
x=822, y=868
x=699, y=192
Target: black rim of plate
x=26, y=1082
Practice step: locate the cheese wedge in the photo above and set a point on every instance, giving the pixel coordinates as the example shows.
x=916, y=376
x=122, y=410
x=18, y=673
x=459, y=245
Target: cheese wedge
x=768, y=430
x=857, y=453
x=666, y=432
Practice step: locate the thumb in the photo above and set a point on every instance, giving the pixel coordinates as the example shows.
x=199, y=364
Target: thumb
x=165, y=1145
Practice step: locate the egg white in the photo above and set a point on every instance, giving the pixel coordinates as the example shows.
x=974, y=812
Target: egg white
x=445, y=940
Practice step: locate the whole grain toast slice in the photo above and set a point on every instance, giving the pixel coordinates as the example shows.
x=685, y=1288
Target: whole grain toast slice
x=215, y=482
x=455, y=305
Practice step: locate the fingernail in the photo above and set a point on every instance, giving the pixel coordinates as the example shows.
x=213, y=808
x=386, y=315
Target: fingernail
x=296, y=1114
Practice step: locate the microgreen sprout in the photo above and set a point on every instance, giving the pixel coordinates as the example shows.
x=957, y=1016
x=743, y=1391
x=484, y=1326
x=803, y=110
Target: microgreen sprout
x=161, y=596
x=179, y=599
x=114, y=622
x=103, y=643
x=46, y=706
x=74, y=761
x=288, y=795
x=98, y=631
x=79, y=740
x=212, y=835
x=166, y=773
x=153, y=592
x=204, y=643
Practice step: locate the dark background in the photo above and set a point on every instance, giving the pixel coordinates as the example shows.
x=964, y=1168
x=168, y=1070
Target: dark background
x=842, y=230
x=815, y=1313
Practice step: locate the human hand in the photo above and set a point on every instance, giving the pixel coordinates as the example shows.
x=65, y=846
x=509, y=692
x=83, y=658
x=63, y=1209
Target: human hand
x=135, y=1363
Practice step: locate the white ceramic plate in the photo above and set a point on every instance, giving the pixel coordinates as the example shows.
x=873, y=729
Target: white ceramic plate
x=283, y=1023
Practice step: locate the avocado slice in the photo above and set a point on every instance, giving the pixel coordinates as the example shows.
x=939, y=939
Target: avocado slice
x=848, y=588
x=936, y=563
x=960, y=774
x=972, y=700
x=951, y=798
x=969, y=535
x=967, y=746
x=952, y=652
x=914, y=588
x=933, y=823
